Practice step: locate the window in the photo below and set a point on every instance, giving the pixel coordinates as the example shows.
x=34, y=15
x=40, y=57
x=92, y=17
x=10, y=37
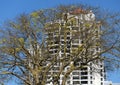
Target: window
x=55, y=51
x=68, y=33
x=75, y=41
x=96, y=31
x=90, y=68
x=68, y=46
x=76, y=63
x=68, y=37
x=91, y=77
x=63, y=73
x=91, y=82
x=90, y=73
x=62, y=42
x=75, y=77
x=82, y=41
x=84, y=82
x=62, y=24
x=56, y=47
x=62, y=51
x=84, y=68
x=84, y=77
x=56, y=42
x=68, y=51
x=68, y=55
x=68, y=42
x=101, y=79
x=75, y=73
x=90, y=64
x=84, y=73
x=97, y=48
x=50, y=34
x=83, y=64
x=76, y=82
x=101, y=66
x=62, y=37
x=75, y=46
x=75, y=28
x=50, y=51
x=68, y=82
x=56, y=68
x=101, y=74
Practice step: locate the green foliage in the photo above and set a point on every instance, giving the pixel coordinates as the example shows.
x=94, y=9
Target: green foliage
x=80, y=46
x=3, y=41
x=25, y=47
x=87, y=25
x=21, y=40
x=35, y=14
x=17, y=49
x=5, y=72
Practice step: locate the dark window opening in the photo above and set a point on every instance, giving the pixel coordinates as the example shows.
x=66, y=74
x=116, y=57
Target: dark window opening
x=84, y=82
x=84, y=77
x=75, y=73
x=91, y=82
x=75, y=77
x=76, y=82
x=68, y=37
x=101, y=79
x=91, y=77
x=84, y=68
x=84, y=73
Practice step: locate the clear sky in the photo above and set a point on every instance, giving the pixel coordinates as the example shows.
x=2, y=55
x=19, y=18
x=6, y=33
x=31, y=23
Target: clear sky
x=9, y=9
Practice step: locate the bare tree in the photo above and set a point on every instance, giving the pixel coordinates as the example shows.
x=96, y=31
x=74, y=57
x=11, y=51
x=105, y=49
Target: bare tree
x=26, y=43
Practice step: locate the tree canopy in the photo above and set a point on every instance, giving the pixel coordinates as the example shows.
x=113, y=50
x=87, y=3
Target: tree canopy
x=25, y=54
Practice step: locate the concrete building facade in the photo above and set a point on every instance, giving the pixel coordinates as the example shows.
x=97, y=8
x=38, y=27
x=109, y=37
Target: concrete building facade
x=59, y=38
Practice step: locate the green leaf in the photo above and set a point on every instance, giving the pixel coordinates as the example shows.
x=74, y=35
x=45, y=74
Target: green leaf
x=21, y=40
x=17, y=49
x=5, y=72
x=35, y=14
x=87, y=25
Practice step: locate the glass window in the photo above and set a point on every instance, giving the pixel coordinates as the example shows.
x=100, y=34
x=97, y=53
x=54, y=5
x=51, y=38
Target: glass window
x=84, y=82
x=84, y=77
x=84, y=68
x=76, y=82
x=75, y=77
x=84, y=73
x=75, y=73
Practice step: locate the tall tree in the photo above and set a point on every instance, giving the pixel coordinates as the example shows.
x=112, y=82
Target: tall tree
x=25, y=54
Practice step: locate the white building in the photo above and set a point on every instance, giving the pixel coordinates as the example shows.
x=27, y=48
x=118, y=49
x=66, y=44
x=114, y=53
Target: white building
x=87, y=75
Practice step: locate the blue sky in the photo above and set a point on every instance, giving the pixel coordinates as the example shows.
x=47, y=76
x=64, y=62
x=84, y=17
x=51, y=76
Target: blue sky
x=9, y=9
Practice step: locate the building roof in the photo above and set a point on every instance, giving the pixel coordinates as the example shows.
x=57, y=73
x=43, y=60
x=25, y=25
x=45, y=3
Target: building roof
x=78, y=11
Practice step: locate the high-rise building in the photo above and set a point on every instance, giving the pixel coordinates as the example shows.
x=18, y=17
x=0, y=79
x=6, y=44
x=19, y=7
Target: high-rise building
x=63, y=38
